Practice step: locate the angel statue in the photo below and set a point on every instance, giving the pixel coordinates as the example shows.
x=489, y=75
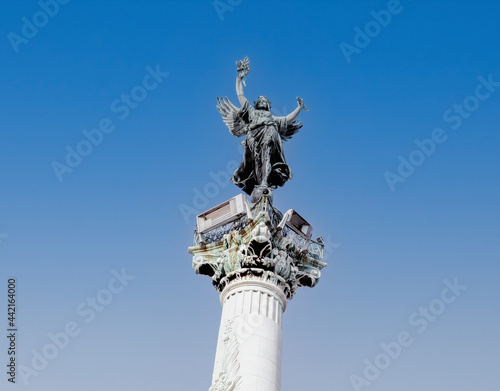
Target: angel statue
x=264, y=167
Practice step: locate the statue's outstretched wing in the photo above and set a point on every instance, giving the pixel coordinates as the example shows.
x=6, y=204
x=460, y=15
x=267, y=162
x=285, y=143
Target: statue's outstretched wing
x=291, y=128
x=236, y=119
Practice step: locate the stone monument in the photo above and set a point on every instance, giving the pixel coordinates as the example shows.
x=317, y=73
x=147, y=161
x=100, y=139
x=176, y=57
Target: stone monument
x=256, y=256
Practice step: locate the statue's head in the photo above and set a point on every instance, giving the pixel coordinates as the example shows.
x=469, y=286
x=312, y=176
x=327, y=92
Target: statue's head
x=262, y=103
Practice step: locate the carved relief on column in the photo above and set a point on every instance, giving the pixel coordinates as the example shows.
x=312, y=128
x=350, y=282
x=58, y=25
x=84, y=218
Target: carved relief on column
x=229, y=378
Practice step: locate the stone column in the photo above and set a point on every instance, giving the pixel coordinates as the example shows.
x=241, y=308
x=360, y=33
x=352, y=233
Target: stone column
x=250, y=336
x=257, y=265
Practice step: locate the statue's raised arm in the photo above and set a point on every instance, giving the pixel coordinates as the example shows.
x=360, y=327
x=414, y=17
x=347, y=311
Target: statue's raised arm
x=243, y=71
x=264, y=167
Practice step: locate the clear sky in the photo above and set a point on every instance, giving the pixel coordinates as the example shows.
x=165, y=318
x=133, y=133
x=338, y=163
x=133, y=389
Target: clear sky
x=399, y=216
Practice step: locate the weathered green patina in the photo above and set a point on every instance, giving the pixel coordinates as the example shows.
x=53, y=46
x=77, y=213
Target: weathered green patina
x=259, y=247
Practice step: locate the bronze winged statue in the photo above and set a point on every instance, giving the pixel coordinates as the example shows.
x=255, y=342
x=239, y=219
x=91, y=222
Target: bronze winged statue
x=264, y=167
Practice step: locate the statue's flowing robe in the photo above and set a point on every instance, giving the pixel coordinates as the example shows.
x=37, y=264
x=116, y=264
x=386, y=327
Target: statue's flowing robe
x=263, y=146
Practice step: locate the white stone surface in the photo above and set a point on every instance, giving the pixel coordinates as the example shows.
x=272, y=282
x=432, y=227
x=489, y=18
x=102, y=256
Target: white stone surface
x=250, y=337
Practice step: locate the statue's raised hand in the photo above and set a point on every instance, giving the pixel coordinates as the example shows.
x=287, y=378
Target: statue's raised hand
x=301, y=104
x=243, y=69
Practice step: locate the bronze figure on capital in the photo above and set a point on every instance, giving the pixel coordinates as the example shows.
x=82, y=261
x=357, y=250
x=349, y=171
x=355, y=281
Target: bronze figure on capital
x=264, y=167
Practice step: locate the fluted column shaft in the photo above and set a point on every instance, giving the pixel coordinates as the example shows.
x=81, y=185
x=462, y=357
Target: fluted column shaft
x=250, y=336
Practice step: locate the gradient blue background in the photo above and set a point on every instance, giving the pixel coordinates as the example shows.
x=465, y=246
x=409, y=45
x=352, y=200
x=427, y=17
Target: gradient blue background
x=120, y=207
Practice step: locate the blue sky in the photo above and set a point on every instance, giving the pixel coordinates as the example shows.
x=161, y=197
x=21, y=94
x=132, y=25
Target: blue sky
x=400, y=220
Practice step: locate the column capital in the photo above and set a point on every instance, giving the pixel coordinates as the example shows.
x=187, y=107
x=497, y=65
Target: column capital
x=263, y=244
